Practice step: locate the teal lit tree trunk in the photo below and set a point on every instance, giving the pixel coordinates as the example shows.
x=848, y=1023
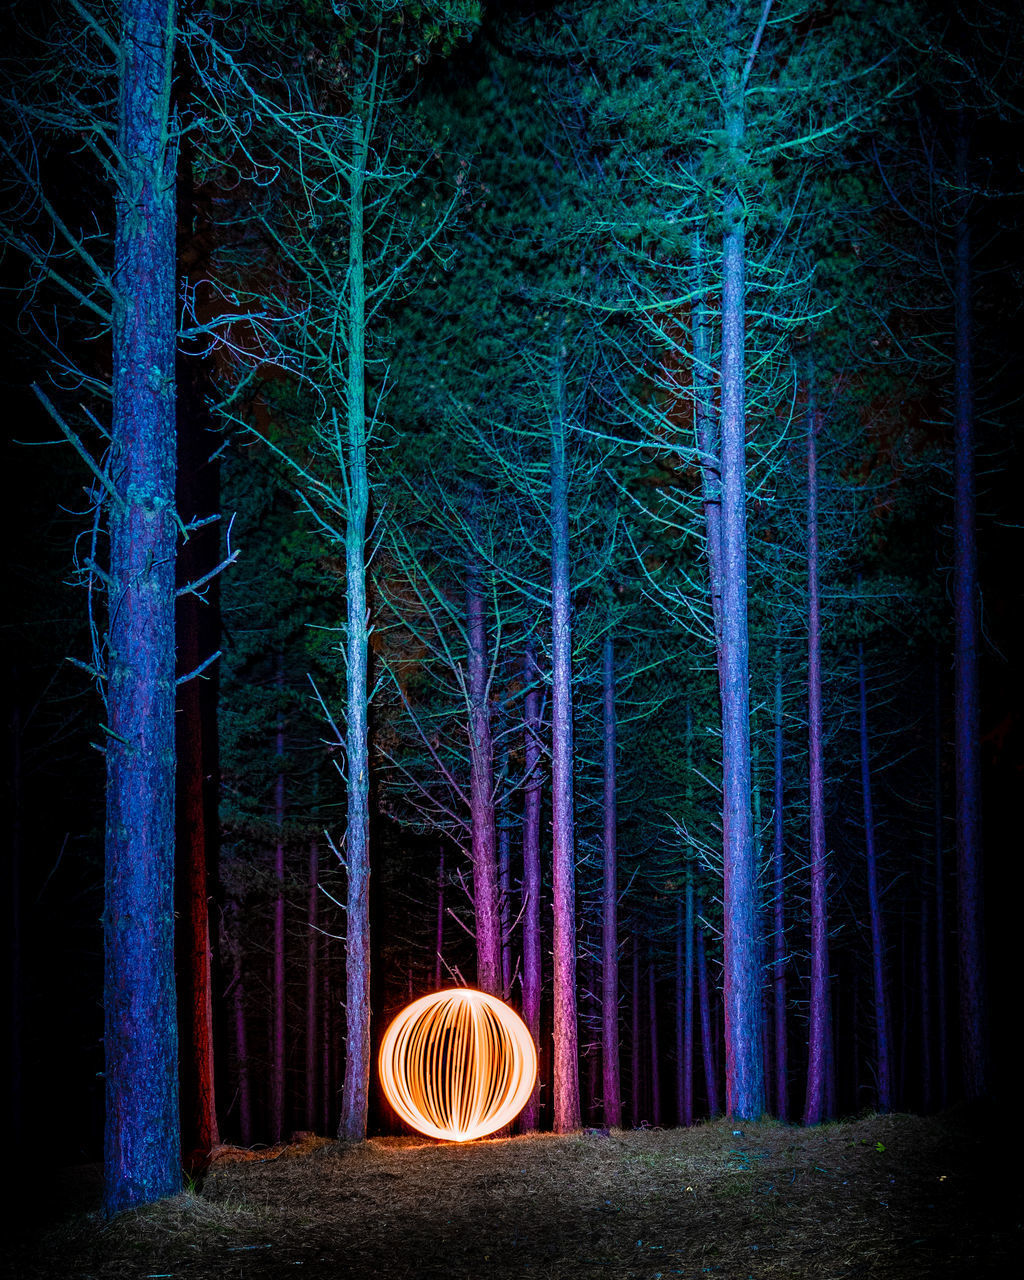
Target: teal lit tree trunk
x=744, y=1067
x=563, y=879
x=356, y=1087
x=141, y=1138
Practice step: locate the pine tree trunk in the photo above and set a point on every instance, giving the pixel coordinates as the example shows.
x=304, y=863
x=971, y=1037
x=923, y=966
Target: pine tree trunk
x=566, y=1092
x=312, y=984
x=707, y=1039
x=611, y=1081
x=779, y=914
x=744, y=1068
x=973, y=1012
x=819, y=1031
x=486, y=917
x=277, y=1033
x=356, y=1086
x=529, y=1117
x=439, y=928
x=652, y=1007
x=196, y=740
x=142, y=1156
x=685, y=1003
x=635, y=1078
x=883, y=1050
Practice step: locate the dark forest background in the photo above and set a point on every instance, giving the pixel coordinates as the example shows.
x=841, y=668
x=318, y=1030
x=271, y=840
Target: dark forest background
x=552, y=198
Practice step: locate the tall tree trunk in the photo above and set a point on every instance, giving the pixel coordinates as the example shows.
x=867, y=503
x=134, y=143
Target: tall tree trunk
x=634, y=1046
x=277, y=1032
x=312, y=984
x=883, y=1046
x=566, y=1093
x=530, y=1115
x=744, y=1067
x=684, y=1005
x=142, y=1132
x=779, y=913
x=652, y=1006
x=973, y=1011
x=486, y=917
x=819, y=1031
x=231, y=948
x=439, y=928
x=611, y=1080
x=925, y=979
x=706, y=1036
x=196, y=740
x=356, y=1086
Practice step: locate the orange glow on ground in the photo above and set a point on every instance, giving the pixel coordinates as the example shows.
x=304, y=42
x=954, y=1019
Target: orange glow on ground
x=457, y=1064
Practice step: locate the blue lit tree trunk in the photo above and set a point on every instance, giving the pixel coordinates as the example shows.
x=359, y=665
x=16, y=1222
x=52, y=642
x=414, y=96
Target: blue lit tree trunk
x=356, y=1087
x=563, y=880
x=744, y=1068
x=141, y=1138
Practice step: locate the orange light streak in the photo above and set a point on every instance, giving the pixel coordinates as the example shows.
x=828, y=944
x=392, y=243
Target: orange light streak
x=457, y=1064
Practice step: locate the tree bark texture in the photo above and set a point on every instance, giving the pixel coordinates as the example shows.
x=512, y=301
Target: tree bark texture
x=744, y=1068
x=566, y=1093
x=142, y=1157
x=356, y=1086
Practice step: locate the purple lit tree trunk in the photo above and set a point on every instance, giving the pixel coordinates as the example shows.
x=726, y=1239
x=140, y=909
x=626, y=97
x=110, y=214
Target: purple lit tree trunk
x=819, y=1030
x=504, y=891
x=142, y=1157
x=652, y=1008
x=882, y=1040
x=973, y=1012
x=635, y=1039
x=277, y=1033
x=356, y=1085
x=611, y=1080
x=684, y=1006
x=530, y=1115
x=706, y=1036
x=439, y=929
x=744, y=1067
x=566, y=1093
x=312, y=984
x=486, y=916
x=779, y=914
x=883, y=1064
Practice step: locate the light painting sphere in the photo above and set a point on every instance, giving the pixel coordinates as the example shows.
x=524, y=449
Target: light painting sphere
x=457, y=1064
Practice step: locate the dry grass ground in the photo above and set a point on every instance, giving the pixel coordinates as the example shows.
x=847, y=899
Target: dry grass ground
x=879, y=1198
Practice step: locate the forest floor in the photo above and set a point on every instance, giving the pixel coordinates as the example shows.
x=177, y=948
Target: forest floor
x=878, y=1197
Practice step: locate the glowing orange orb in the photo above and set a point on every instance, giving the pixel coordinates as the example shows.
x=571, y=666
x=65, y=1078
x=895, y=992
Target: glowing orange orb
x=457, y=1064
